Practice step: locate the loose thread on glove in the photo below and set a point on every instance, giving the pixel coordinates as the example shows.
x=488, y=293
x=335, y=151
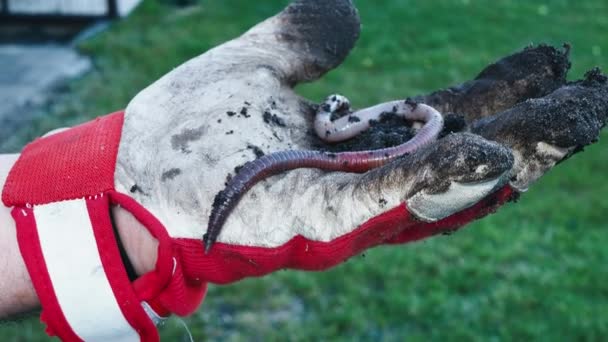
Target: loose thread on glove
x=183, y=324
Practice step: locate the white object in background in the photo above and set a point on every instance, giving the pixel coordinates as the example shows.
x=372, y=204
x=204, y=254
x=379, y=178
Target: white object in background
x=70, y=7
x=126, y=6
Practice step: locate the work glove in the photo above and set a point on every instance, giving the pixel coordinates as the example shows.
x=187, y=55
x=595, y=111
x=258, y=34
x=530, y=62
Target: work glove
x=181, y=142
x=189, y=133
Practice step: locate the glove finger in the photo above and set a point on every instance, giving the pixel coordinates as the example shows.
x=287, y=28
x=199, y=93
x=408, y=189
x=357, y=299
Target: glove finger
x=308, y=38
x=530, y=73
x=542, y=132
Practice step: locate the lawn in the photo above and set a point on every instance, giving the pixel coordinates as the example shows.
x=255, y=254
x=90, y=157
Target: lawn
x=535, y=270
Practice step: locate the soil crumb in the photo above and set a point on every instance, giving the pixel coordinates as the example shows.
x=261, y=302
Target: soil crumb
x=256, y=150
x=244, y=113
x=273, y=119
x=452, y=123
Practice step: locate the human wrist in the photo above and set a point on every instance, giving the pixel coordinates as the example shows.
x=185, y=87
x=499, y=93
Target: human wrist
x=140, y=246
x=17, y=294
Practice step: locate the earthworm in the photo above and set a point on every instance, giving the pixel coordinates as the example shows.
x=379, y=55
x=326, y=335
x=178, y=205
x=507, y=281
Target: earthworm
x=343, y=128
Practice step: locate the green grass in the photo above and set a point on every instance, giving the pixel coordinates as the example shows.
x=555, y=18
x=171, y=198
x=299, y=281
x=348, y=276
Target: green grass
x=535, y=270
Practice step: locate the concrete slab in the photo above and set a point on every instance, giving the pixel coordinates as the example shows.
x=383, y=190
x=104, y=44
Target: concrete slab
x=28, y=75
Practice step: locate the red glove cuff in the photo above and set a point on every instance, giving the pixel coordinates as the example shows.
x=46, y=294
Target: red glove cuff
x=61, y=189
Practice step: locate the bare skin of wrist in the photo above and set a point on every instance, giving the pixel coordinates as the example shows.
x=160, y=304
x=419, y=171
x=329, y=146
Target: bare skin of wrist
x=17, y=294
x=140, y=245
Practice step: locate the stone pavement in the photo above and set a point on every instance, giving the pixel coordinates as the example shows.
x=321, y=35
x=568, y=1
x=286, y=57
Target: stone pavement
x=28, y=75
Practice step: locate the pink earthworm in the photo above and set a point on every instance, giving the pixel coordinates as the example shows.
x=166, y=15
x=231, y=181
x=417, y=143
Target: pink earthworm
x=341, y=129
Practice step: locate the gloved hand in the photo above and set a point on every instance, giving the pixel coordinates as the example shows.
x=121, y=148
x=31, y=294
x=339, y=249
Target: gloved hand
x=185, y=136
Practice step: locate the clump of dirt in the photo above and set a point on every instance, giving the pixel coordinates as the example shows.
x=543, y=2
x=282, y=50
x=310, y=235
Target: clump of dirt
x=244, y=112
x=594, y=78
x=135, y=188
x=273, y=119
x=382, y=202
x=256, y=150
x=453, y=123
x=341, y=112
x=390, y=130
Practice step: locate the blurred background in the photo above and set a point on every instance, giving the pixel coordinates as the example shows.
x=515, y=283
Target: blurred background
x=537, y=270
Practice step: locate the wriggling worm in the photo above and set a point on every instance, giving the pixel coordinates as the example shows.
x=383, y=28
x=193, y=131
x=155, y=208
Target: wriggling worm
x=331, y=131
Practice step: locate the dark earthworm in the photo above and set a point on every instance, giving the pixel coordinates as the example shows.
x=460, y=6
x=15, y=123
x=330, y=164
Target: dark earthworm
x=361, y=161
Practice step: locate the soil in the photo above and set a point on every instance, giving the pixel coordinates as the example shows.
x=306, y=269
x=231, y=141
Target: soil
x=273, y=119
x=390, y=130
x=538, y=105
x=256, y=150
x=531, y=73
x=452, y=123
x=243, y=112
x=573, y=115
x=327, y=41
